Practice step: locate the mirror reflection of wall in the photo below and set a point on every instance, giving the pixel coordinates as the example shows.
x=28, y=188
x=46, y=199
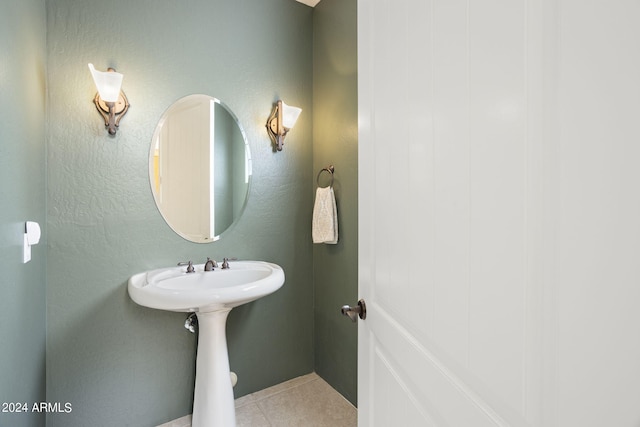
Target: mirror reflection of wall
x=199, y=168
x=231, y=179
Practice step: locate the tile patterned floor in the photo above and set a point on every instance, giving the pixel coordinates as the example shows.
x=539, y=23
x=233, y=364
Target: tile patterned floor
x=304, y=401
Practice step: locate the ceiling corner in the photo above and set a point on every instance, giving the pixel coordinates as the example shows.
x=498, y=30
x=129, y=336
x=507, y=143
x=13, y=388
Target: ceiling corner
x=311, y=3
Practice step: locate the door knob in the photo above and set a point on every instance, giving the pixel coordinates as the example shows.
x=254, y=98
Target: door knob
x=359, y=310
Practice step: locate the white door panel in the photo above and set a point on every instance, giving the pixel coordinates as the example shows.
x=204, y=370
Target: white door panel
x=499, y=208
x=433, y=392
x=445, y=213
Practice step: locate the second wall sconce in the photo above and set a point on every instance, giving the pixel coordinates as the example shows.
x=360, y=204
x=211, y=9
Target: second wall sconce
x=280, y=122
x=110, y=101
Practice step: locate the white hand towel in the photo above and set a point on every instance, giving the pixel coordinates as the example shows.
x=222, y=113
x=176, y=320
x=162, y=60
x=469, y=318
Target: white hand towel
x=325, y=217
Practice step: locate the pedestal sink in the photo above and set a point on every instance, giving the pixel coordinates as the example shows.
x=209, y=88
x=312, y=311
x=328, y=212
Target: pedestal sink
x=211, y=295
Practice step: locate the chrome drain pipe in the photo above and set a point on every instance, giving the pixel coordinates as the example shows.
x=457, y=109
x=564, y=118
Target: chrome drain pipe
x=191, y=323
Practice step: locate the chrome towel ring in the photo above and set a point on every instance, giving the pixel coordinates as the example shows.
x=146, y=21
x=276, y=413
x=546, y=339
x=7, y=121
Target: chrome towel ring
x=329, y=169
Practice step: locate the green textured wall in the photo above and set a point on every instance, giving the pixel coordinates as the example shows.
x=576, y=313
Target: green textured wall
x=118, y=363
x=335, y=141
x=22, y=198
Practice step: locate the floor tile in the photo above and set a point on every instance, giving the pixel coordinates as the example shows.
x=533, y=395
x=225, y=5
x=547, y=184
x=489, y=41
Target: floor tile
x=250, y=415
x=314, y=404
x=304, y=401
x=278, y=388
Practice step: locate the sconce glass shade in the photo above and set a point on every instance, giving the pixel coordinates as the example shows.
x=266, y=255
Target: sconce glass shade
x=108, y=83
x=290, y=115
x=110, y=101
x=280, y=122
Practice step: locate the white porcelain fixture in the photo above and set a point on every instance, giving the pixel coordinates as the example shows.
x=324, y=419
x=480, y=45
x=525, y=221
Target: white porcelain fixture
x=211, y=295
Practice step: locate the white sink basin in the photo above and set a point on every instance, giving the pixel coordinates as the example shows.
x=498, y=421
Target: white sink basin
x=212, y=295
x=174, y=289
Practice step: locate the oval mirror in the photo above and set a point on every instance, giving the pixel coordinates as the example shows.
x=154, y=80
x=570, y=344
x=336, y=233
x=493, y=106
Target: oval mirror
x=199, y=168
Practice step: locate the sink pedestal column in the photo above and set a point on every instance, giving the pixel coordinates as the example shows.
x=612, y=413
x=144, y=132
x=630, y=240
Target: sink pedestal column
x=213, y=404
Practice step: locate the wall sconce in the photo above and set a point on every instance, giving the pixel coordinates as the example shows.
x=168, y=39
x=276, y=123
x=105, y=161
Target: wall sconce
x=110, y=101
x=280, y=122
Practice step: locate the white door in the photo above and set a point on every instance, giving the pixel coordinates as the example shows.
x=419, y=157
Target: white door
x=499, y=213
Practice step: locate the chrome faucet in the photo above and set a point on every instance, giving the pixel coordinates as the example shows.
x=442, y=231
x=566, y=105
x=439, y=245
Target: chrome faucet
x=189, y=265
x=210, y=264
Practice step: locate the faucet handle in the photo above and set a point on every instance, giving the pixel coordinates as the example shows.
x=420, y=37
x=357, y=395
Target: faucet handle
x=225, y=262
x=189, y=265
